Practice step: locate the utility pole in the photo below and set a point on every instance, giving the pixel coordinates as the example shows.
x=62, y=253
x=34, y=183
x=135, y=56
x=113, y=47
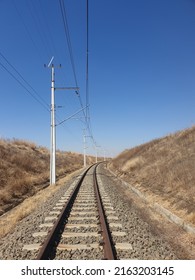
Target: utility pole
x=53, y=127
x=84, y=148
x=53, y=123
x=104, y=155
x=53, y=130
x=96, y=156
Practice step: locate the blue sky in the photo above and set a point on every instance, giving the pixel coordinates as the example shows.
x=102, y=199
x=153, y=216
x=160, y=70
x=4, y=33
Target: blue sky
x=141, y=70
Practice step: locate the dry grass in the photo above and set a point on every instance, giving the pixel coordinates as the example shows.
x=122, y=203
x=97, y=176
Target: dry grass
x=164, y=169
x=11, y=218
x=24, y=169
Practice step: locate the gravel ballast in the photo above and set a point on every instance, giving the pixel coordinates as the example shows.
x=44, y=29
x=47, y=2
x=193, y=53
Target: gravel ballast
x=142, y=241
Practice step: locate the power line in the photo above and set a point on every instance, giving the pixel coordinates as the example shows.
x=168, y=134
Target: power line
x=41, y=99
x=87, y=61
x=67, y=35
x=88, y=120
x=17, y=76
x=37, y=24
x=48, y=28
x=29, y=33
x=37, y=97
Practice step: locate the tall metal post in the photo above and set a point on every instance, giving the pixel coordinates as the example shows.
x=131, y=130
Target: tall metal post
x=84, y=148
x=104, y=155
x=53, y=131
x=96, y=155
x=53, y=122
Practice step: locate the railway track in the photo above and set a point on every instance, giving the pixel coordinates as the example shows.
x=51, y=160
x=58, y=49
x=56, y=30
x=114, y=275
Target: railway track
x=82, y=221
x=132, y=232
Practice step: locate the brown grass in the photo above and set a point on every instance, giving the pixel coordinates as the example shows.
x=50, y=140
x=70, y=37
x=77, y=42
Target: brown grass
x=24, y=169
x=164, y=169
x=11, y=218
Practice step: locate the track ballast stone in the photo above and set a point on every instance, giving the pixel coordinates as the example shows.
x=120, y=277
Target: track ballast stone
x=145, y=245
x=125, y=222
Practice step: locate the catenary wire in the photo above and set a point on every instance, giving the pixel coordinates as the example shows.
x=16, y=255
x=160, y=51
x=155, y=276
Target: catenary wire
x=26, y=89
x=34, y=97
x=67, y=35
x=36, y=93
x=88, y=119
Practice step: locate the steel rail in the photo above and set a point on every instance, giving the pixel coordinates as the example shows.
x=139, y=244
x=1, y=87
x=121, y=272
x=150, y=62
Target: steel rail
x=108, y=245
x=47, y=245
x=50, y=241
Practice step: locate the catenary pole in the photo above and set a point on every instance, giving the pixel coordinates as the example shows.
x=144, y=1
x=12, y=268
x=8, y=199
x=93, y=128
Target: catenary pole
x=53, y=130
x=53, y=122
x=84, y=148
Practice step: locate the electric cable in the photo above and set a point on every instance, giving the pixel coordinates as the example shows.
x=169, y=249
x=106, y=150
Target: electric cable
x=67, y=35
x=42, y=100
x=88, y=119
x=37, y=97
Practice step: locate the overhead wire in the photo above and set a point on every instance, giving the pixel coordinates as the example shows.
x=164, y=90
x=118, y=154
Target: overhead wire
x=33, y=93
x=47, y=41
x=21, y=18
x=36, y=20
x=88, y=119
x=87, y=60
x=18, y=77
x=37, y=23
x=67, y=35
x=41, y=17
x=86, y=113
x=48, y=30
x=38, y=14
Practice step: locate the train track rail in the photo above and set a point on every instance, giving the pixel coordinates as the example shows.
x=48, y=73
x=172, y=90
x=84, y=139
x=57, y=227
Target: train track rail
x=59, y=226
x=83, y=220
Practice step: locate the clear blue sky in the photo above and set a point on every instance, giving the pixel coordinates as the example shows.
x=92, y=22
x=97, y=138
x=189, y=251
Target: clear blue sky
x=141, y=70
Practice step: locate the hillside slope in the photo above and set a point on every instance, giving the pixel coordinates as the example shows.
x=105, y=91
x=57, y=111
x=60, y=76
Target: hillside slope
x=164, y=170
x=24, y=169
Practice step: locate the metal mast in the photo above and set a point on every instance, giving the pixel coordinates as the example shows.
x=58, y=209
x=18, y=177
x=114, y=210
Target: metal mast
x=84, y=148
x=53, y=131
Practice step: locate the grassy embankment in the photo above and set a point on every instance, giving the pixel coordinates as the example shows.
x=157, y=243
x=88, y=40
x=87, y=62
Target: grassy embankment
x=24, y=170
x=164, y=171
